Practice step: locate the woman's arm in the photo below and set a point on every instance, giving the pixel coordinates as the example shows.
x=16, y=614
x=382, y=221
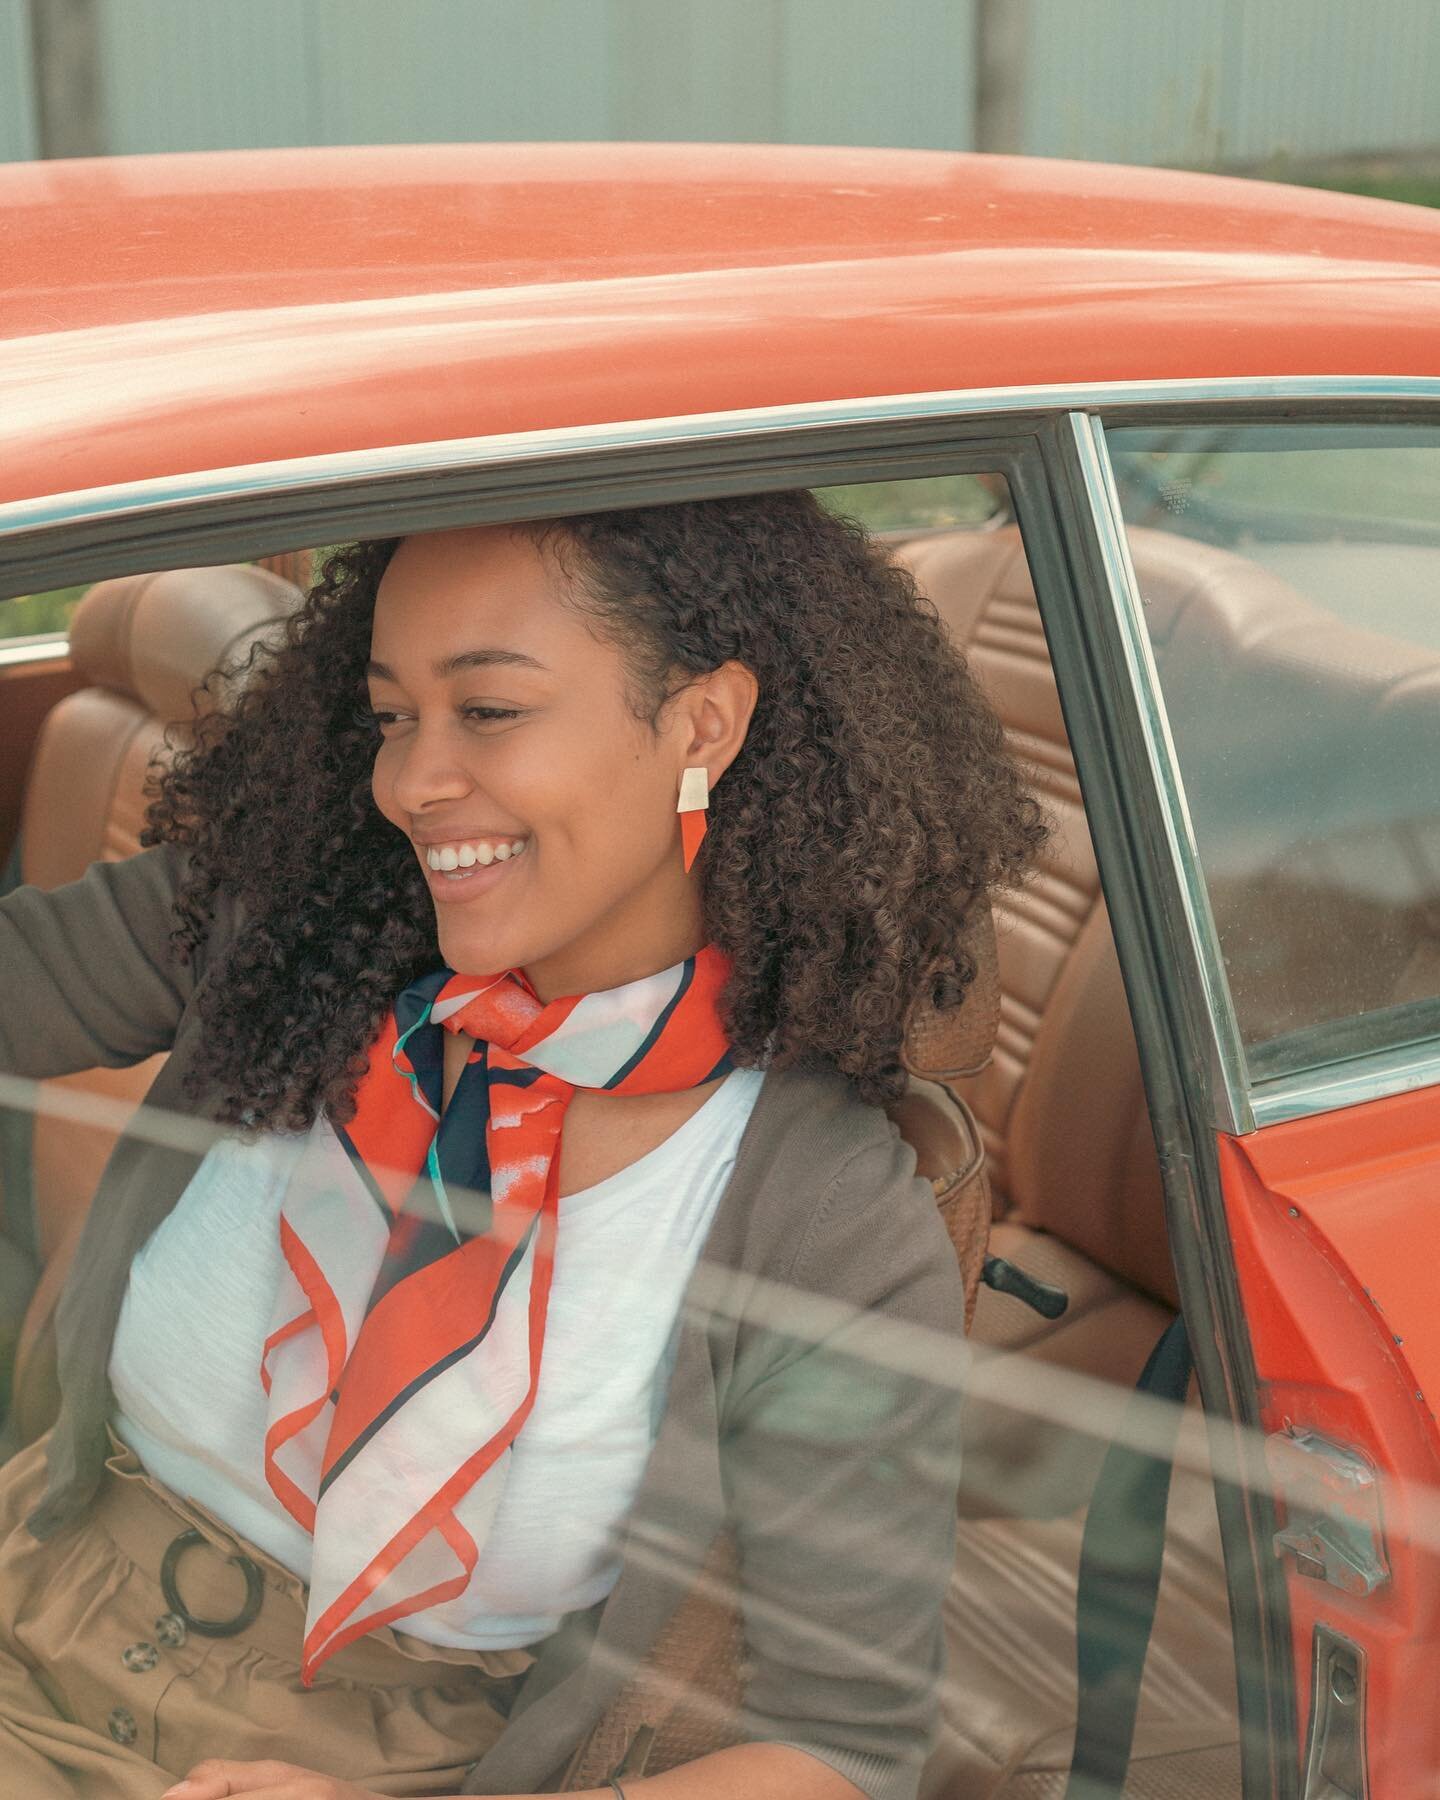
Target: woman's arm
x=87, y=973
x=746, y=1772
x=842, y=1463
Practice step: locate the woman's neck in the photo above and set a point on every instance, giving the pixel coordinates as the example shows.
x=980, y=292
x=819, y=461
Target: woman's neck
x=615, y=952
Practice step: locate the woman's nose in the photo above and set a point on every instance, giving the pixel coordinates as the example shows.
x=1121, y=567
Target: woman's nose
x=429, y=769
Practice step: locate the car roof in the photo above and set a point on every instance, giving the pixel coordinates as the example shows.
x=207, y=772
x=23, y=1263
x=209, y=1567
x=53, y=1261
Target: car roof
x=168, y=314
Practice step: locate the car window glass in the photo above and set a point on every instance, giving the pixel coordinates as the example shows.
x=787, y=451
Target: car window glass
x=1290, y=583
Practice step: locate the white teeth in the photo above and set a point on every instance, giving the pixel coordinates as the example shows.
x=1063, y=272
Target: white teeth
x=450, y=857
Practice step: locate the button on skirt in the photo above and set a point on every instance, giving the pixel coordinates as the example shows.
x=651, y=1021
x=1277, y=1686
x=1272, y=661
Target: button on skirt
x=110, y=1689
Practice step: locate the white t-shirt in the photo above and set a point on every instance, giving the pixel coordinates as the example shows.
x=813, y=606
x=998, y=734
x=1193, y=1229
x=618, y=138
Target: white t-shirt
x=185, y=1367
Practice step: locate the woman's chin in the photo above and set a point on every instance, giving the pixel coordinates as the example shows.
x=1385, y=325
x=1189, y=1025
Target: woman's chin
x=472, y=954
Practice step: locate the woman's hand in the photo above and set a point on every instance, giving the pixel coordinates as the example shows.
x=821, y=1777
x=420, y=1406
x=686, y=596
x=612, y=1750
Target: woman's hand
x=216, y=1779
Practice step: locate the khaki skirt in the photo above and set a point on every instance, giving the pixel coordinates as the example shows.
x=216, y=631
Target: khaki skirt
x=107, y=1691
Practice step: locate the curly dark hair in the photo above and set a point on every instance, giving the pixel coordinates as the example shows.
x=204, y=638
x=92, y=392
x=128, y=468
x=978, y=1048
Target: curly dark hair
x=871, y=802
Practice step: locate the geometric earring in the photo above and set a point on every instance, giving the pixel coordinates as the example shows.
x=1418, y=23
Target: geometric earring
x=694, y=799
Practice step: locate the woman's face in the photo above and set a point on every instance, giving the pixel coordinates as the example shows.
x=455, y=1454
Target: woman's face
x=510, y=757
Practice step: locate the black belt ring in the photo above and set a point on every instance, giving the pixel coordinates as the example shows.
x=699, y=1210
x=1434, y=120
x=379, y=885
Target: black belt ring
x=215, y=1628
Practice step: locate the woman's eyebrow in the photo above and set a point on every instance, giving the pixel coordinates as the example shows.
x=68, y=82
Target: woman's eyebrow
x=483, y=658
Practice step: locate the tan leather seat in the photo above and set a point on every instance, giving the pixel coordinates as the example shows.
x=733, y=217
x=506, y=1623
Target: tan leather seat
x=1073, y=1165
x=146, y=644
x=1061, y=1106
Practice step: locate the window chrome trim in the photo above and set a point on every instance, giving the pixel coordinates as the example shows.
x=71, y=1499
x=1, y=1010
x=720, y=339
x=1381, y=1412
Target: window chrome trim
x=1330, y=1086
x=1229, y=1082
x=338, y=469
x=16, y=651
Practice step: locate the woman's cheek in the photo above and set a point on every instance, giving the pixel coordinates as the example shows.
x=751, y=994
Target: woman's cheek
x=383, y=773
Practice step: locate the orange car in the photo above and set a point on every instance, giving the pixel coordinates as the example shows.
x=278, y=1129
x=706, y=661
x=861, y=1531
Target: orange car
x=1164, y=449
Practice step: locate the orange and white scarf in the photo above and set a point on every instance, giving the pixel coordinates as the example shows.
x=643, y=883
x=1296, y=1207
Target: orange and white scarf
x=407, y=1337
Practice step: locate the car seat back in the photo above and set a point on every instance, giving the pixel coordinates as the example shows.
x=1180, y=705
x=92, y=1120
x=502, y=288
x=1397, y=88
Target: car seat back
x=1061, y=1105
x=145, y=645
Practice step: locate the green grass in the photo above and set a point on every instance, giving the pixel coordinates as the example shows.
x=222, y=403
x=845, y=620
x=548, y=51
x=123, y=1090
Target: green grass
x=37, y=614
x=1415, y=190
x=930, y=503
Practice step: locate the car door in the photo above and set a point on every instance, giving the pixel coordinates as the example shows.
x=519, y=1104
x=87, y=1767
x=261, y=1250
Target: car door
x=1251, y=653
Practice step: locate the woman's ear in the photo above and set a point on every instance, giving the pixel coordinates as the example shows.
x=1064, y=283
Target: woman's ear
x=714, y=715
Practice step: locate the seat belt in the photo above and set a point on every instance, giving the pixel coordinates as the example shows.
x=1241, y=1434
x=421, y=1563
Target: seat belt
x=1120, y=1557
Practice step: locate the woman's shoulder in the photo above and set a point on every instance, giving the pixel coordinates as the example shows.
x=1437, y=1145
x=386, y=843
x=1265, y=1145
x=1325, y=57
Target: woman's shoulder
x=825, y=1186
x=815, y=1122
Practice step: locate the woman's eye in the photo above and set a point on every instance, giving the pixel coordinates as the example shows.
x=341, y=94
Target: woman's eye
x=382, y=718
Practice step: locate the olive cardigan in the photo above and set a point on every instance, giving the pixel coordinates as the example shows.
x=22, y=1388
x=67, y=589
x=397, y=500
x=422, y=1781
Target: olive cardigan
x=814, y=1404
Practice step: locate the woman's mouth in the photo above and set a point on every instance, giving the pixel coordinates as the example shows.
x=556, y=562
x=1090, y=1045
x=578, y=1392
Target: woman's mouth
x=468, y=866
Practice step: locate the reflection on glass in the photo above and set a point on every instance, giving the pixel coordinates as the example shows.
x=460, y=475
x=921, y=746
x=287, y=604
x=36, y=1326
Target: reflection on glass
x=1290, y=577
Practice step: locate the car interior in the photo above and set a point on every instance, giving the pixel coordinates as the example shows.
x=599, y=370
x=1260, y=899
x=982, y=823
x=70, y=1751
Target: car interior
x=1072, y=1171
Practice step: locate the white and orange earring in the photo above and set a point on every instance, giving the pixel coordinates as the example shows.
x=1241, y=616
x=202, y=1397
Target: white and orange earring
x=694, y=799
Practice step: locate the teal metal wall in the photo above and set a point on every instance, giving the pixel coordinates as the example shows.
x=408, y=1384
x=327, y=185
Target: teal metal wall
x=17, y=100
x=1227, y=81
x=191, y=74
x=1170, y=81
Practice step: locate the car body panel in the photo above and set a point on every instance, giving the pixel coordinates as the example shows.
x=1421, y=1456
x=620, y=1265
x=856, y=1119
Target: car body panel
x=1330, y=1221
x=162, y=315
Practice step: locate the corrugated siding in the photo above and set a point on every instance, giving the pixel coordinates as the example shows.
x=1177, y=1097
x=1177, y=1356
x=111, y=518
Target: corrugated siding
x=182, y=75
x=1318, y=78
x=859, y=73
x=455, y=70
x=792, y=71
x=191, y=75
x=17, y=102
x=1172, y=81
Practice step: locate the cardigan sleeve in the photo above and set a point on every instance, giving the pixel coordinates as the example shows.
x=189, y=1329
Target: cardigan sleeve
x=87, y=973
x=842, y=1464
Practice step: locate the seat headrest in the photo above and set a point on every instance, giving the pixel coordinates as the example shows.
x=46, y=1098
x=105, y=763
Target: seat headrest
x=157, y=637
x=943, y=1046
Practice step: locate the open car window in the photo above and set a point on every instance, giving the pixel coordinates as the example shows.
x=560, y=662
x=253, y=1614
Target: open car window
x=1290, y=582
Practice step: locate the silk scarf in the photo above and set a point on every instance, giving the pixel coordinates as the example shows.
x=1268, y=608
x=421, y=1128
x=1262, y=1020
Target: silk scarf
x=406, y=1342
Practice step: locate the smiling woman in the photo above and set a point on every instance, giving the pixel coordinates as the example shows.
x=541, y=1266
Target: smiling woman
x=496, y=1061
x=529, y=736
